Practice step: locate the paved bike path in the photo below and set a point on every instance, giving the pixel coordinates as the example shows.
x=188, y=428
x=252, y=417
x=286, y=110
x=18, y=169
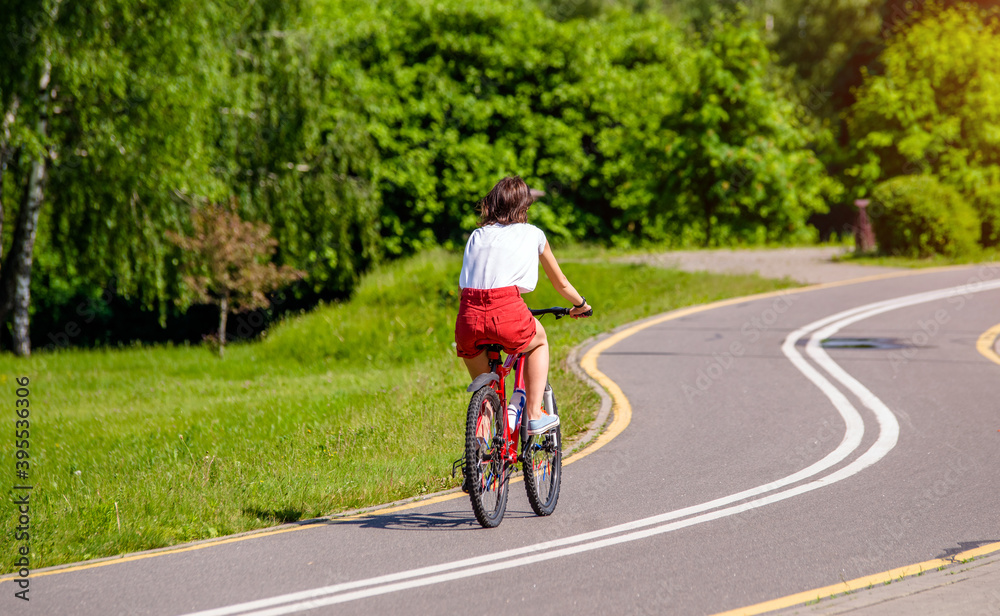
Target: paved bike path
x=752, y=418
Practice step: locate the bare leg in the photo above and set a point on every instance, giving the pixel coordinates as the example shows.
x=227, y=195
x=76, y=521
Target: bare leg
x=477, y=365
x=536, y=372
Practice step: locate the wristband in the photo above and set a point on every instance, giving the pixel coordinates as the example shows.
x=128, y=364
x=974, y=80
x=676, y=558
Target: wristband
x=582, y=303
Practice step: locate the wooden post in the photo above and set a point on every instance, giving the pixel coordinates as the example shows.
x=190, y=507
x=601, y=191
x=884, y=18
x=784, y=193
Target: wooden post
x=864, y=237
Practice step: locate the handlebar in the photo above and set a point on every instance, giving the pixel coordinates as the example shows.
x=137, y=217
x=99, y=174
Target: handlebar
x=559, y=312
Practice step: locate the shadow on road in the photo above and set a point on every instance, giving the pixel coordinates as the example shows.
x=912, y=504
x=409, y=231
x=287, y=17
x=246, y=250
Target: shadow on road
x=963, y=546
x=443, y=520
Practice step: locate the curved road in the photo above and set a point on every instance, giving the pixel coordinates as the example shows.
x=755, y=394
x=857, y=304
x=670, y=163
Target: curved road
x=757, y=463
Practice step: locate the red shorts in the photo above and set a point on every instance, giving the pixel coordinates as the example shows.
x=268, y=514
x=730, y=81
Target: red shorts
x=488, y=316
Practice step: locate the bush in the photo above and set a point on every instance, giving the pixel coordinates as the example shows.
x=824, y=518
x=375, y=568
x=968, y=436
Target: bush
x=917, y=216
x=987, y=205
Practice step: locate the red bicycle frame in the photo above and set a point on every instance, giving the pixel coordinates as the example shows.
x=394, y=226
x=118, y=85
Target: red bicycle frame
x=515, y=363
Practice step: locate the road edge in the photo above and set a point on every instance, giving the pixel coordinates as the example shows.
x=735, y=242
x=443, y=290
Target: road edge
x=862, y=583
x=610, y=393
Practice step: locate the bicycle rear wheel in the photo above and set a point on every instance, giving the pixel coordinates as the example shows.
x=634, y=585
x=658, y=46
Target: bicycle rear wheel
x=541, y=457
x=486, y=472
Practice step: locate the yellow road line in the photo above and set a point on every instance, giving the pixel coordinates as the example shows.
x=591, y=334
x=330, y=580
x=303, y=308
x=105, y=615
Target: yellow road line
x=143, y=555
x=986, y=344
x=621, y=409
x=876, y=579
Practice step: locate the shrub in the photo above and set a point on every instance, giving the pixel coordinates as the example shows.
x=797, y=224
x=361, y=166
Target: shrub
x=986, y=202
x=917, y=216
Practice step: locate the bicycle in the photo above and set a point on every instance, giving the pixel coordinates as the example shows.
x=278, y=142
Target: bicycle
x=491, y=453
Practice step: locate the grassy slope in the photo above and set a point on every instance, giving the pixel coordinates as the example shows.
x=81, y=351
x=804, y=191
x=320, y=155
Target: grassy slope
x=351, y=405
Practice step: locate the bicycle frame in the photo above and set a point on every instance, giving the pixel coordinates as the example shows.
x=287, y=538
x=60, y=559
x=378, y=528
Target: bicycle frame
x=487, y=466
x=515, y=363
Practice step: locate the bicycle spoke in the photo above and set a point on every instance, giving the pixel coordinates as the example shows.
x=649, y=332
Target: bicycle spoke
x=542, y=460
x=488, y=471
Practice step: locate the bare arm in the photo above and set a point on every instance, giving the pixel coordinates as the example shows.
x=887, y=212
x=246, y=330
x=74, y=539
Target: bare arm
x=560, y=282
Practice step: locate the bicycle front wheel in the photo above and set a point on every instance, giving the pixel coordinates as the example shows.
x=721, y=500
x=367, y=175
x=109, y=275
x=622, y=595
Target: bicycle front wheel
x=486, y=471
x=541, y=457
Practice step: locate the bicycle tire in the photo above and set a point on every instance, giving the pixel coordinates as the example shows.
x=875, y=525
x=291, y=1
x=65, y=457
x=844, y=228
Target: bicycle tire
x=541, y=461
x=486, y=472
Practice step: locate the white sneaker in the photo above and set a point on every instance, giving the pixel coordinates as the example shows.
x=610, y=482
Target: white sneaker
x=540, y=426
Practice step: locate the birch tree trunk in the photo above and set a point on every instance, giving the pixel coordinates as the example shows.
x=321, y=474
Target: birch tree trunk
x=15, y=280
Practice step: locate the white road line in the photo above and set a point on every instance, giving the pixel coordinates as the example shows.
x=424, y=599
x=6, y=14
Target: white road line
x=888, y=434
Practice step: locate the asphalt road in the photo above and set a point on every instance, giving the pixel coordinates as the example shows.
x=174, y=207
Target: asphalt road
x=757, y=463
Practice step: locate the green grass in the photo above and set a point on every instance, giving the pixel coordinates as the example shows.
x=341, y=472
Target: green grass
x=351, y=405
x=984, y=256
x=580, y=251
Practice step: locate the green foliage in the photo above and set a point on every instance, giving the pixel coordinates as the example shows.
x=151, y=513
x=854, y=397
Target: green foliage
x=125, y=142
x=824, y=42
x=986, y=202
x=290, y=144
x=455, y=96
x=917, y=216
x=159, y=105
x=564, y=10
x=936, y=108
x=645, y=136
x=742, y=160
x=400, y=312
x=359, y=129
x=131, y=111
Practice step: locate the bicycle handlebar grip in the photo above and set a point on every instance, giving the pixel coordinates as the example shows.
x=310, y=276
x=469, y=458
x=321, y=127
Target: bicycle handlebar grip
x=558, y=312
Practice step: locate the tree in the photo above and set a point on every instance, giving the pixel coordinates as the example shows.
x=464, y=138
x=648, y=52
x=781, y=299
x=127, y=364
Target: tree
x=936, y=108
x=15, y=272
x=638, y=133
x=106, y=151
x=227, y=262
x=292, y=147
x=357, y=128
x=134, y=139
x=696, y=143
x=824, y=43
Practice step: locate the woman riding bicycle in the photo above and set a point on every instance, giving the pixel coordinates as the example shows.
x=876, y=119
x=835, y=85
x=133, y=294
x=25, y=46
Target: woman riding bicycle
x=500, y=263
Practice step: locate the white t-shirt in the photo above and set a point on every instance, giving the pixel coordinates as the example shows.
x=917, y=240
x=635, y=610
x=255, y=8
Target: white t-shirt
x=502, y=256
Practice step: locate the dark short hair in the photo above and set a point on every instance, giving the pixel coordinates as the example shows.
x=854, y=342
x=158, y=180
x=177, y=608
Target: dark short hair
x=507, y=203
